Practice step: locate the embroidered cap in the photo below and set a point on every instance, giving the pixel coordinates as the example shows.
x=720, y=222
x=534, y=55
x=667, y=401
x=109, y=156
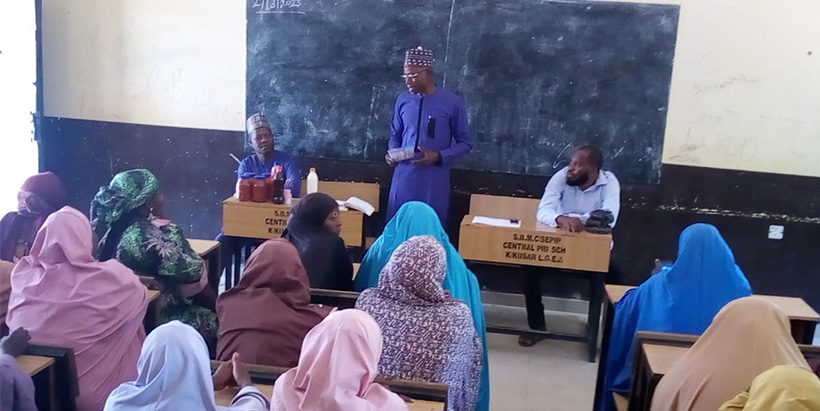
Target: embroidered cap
x=255, y=121
x=419, y=57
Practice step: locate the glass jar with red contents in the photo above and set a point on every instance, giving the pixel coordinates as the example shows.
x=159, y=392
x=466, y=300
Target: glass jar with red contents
x=244, y=187
x=260, y=189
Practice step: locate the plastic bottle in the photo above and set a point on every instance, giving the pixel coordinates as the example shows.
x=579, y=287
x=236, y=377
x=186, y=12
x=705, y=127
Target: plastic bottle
x=278, y=191
x=312, y=182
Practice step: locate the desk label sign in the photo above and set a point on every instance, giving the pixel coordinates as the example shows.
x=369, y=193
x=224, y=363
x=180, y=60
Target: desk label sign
x=268, y=220
x=535, y=245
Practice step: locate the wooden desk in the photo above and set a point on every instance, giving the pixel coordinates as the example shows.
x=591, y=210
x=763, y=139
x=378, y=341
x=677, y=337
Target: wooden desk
x=223, y=398
x=356, y=267
x=209, y=251
x=342, y=190
x=802, y=317
x=268, y=220
x=621, y=402
x=536, y=244
x=33, y=364
x=334, y=298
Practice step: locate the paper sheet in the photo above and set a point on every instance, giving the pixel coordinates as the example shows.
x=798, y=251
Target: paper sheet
x=496, y=222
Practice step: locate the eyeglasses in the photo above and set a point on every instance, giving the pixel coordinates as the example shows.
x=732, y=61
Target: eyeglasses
x=412, y=76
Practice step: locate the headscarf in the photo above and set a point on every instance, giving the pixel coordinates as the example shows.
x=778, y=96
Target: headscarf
x=748, y=336
x=174, y=373
x=275, y=282
x=336, y=370
x=782, y=388
x=66, y=298
x=40, y=195
x=415, y=218
x=5, y=292
x=323, y=253
x=682, y=299
x=427, y=337
x=127, y=191
x=16, y=388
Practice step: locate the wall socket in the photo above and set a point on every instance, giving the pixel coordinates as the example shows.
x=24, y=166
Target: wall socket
x=776, y=232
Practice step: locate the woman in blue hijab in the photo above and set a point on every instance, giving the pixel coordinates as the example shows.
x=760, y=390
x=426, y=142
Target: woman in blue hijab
x=414, y=219
x=683, y=298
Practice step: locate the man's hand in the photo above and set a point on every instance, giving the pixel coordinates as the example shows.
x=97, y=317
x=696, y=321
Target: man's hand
x=223, y=375
x=389, y=160
x=429, y=157
x=571, y=224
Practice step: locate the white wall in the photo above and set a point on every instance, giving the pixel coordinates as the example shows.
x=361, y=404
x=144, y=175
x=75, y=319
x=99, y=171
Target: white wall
x=745, y=91
x=162, y=62
x=18, y=97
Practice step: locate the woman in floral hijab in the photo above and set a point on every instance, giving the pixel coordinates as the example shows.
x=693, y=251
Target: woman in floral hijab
x=125, y=216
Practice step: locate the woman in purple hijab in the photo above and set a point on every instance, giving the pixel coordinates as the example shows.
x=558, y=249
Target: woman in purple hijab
x=41, y=195
x=428, y=335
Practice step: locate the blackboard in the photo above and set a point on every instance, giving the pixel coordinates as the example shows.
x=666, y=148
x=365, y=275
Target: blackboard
x=538, y=77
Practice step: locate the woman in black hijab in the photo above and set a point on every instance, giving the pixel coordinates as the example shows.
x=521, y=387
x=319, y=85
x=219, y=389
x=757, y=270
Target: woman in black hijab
x=314, y=229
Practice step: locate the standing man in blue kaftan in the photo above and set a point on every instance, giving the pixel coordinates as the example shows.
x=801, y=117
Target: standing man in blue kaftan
x=432, y=121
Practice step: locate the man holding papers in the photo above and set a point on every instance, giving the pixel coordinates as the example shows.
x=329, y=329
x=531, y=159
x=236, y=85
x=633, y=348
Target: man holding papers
x=427, y=133
x=571, y=194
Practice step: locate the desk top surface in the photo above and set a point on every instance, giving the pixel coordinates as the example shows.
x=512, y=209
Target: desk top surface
x=32, y=364
x=661, y=358
x=224, y=398
x=152, y=295
x=794, y=307
x=532, y=225
x=203, y=247
x=232, y=201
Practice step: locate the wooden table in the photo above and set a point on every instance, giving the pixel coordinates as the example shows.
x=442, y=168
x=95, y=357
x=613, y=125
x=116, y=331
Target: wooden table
x=41, y=370
x=209, y=251
x=539, y=245
x=802, y=317
x=268, y=220
x=224, y=398
x=33, y=364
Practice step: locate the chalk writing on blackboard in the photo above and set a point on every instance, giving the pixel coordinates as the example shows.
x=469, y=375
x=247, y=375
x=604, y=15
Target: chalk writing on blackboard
x=277, y=6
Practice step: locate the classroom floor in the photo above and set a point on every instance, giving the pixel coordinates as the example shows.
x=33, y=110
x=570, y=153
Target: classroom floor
x=551, y=376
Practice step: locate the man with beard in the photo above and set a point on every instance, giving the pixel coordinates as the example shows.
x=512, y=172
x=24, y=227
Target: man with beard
x=570, y=195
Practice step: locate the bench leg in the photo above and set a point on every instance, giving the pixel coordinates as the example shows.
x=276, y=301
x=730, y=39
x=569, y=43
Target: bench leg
x=596, y=292
x=609, y=315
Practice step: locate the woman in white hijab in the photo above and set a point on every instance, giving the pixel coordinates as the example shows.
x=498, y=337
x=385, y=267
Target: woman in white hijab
x=174, y=374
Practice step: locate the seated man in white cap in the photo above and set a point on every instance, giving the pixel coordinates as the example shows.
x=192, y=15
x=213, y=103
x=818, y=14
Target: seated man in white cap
x=262, y=161
x=265, y=157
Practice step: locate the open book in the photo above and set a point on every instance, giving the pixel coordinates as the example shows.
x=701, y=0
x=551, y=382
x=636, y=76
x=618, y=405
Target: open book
x=356, y=203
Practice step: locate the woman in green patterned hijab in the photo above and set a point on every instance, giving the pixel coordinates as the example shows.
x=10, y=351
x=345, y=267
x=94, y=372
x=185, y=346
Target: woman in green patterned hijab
x=126, y=217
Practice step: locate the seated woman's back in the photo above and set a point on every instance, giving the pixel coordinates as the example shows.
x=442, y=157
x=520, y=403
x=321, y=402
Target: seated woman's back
x=428, y=336
x=66, y=298
x=747, y=337
x=40, y=195
x=267, y=315
x=314, y=229
x=682, y=299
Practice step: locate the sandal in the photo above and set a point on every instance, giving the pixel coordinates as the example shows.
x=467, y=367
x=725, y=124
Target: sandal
x=528, y=340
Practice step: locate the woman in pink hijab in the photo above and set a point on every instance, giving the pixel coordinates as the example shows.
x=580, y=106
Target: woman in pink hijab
x=338, y=364
x=66, y=298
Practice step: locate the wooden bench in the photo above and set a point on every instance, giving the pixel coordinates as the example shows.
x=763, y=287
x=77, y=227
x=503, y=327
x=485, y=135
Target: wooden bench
x=657, y=353
x=334, y=298
x=426, y=396
x=54, y=373
x=153, y=313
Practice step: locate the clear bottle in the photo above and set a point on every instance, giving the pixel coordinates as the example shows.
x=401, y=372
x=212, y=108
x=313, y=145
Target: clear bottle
x=312, y=182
